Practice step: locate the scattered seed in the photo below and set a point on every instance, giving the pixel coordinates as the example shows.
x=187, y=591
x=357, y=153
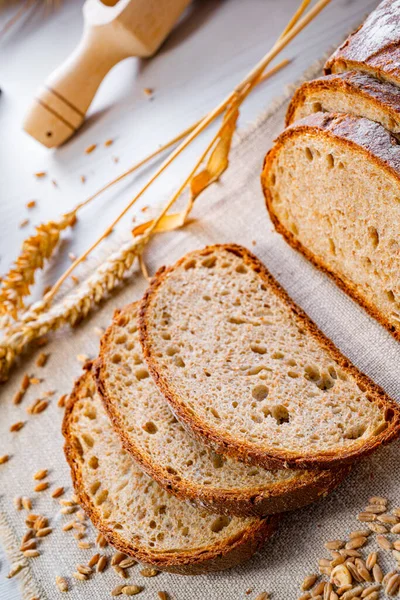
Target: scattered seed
x=61, y=401
x=319, y=589
x=31, y=204
x=62, y=584
x=94, y=560
x=344, y=588
x=40, y=523
x=334, y=545
x=84, y=545
x=341, y=575
x=396, y=511
x=108, y=142
x=43, y=532
x=90, y=148
x=375, y=509
x=37, y=407
x=324, y=562
x=356, y=543
x=121, y=572
x=68, y=510
x=102, y=563
x=15, y=569
x=359, y=533
x=149, y=572
x=388, y=519
x=27, y=536
x=31, y=553
x=395, y=528
x=392, y=584
x=377, y=527
x=362, y=570
x=338, y=560
x=17, y=426
x=26, y=503
x=127, y=563
x=57, y=492
x=383, y=542
x=101, y=541
x=371, y=560
x=4, y=458
x=84, y=569
x=29, y=545
x=42, y=359
x=354, y=572
x=40, y=474
x=40, y=487
x=24, y=223
x=68, y=526
x=117, y=558
x=165, y=596
x=18, y=396
x=18, y=502
x=117, y=591
x=305, y=596
x=79, y=576
x=366, y=517
x=131, y=590
x=377, y=573
x=371, y=588
x=350, y=594
x=34, y=380
x=378, y=500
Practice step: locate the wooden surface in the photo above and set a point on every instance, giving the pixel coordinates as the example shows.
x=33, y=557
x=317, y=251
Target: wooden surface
x=214, y=46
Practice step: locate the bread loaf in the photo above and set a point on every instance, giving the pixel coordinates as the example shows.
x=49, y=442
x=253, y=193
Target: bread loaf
x=249, y=373
x=134, y=513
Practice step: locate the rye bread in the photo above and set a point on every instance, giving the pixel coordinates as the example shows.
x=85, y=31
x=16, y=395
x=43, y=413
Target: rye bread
x=178, y=462
x=346, y=221
x=248, y=372
x=374, y=47
x=352, y=93
x=137, y=516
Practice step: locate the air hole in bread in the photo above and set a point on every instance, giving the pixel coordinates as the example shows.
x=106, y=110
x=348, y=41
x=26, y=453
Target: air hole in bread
x=93, y=462
x=214, y=412
x=241, y=269
x=141, y=373
x=90, y=412
x=258, y=348
x=309, y=154
x=87, y=438
x=317, y=107
x=165, y=335
x=116, y=358
x=330, y=160
x=293, y=374
x=355, y=432
x=209, y=262
x=293, y=228
x=178, y=360
x=171, y=350
x=220, y=523
x=150, y=427
x=121, y=338
x=94, y=487
x=234, y=404
x=260, y=392
x=373, y=236
x=152, y=524
x=277, y=355
x=101, y=497
x=280, y=413
x=207, y=298
x=332, y=247
x=236, y=320
x=312, y=372
x=273, y=179
x=390, y=296
x=217, y=460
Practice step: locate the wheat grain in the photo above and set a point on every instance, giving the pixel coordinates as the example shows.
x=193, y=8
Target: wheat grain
x=131, y=590
x=57, y=492
x=41, y=487
x=62, y=584
x=40, y=474
x=4, y=458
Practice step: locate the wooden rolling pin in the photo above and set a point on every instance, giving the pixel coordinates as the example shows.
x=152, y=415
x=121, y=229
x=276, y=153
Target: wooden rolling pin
x=113, y=30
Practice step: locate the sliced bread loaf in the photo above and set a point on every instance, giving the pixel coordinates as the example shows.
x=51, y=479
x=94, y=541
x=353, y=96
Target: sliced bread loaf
x=249, y=373
x=133, y=512
x=353, y=93
x=177, y=461
x=332, y=186
x=374, y=47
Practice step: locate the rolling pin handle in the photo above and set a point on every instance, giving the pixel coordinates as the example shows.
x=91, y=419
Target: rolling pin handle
x=60, y=105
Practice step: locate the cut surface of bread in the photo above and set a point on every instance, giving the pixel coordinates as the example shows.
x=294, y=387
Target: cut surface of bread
x=133, y=512
x=180, y=463
x=332, y=186
x=249, y=373
x=353, y=93
x=374, y=47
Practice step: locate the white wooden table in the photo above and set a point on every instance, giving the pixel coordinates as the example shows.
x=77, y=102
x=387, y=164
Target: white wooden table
x=215, y=45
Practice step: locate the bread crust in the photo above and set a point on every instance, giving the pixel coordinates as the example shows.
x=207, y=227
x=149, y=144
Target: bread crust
x=342, y=127
x=271, y=499
x=228, y=445
x=222, y=555
x=383, y=96
x=368, y=50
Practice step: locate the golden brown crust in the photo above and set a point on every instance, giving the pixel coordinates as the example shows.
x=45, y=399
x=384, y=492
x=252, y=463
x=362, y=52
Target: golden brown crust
x=223, y=555
x=228, y=445
x=315, y=125
x=383, y=96
x=271, y=499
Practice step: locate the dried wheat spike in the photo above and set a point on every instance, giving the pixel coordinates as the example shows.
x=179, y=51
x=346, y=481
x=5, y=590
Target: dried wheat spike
x=35, y=251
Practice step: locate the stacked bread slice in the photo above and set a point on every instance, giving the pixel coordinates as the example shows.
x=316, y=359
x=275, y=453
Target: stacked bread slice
x=332, y=179
x=214, y=404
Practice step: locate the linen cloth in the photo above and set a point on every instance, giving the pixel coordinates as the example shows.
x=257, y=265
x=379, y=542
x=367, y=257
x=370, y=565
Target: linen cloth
x=231, y=211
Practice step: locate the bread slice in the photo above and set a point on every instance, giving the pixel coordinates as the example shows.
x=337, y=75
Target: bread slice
x=374, y=47
x=133, y=512
x=346, y=222
x=178, y=462
x=353, y=93
x=249, y=373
